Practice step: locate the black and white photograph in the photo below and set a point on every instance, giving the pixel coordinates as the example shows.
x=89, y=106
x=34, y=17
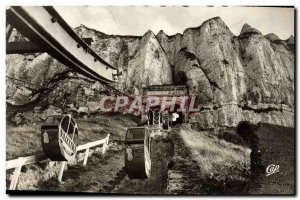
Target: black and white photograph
x=150, y=100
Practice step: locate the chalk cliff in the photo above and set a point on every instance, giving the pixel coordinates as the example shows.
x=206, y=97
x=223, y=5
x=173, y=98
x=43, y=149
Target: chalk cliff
x=244, y=77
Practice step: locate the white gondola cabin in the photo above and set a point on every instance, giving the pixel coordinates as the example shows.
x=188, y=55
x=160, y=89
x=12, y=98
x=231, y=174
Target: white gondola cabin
x=60, y=137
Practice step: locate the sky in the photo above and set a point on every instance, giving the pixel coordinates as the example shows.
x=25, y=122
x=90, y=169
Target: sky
x=134, y=20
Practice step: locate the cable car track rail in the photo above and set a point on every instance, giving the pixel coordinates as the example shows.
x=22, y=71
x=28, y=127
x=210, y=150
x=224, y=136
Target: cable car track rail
x=50, y=33
x=47, y=29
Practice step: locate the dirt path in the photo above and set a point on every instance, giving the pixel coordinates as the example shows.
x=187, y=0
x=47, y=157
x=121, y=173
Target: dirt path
x=183, y=174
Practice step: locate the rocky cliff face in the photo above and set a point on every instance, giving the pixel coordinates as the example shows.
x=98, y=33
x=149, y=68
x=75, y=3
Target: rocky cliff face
x=245, y=77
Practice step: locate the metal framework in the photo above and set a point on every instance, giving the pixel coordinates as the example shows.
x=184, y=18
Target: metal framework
x=156, y=117
x=44, y=27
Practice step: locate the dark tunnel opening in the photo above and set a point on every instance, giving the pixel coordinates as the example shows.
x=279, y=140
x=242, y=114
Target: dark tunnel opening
x=180, y=78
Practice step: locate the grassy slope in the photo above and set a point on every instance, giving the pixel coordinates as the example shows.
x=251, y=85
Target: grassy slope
x=22, y=141
x=217, y=158
x=25, y=140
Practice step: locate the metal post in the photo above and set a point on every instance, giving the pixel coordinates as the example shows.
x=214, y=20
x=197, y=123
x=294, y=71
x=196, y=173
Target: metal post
x=61, y=170
x=159, y=126
x=104, y=148
x=86, y=155
x=105, y=145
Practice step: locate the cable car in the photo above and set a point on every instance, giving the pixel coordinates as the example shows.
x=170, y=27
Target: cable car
x=137, y=153
x=60, y=137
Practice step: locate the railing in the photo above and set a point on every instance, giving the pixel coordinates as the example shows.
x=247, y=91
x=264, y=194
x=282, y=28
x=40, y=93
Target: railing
x=18, y=163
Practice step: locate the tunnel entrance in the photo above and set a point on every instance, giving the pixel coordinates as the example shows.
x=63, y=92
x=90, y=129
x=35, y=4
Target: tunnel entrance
x=179, y=115
x=180, y=118
x=181, y=78
x=176, y=95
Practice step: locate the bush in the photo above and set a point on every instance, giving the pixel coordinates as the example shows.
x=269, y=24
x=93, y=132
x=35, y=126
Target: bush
x=230, y=137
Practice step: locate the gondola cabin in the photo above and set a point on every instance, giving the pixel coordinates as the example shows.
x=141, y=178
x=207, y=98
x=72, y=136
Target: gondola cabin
x=137, y=153
x=60, y=137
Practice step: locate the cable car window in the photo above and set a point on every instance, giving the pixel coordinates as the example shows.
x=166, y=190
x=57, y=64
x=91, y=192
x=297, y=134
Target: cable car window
x=75, y=138
x=147, y=142
x=71, y=130
x=73, y=121
x=65, y=123
x=135, y=134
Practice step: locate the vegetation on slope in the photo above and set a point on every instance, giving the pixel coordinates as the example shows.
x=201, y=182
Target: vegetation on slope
x=25, y=140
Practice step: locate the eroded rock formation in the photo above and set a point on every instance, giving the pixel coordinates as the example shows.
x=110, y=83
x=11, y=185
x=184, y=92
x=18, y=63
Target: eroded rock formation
x=244, y=77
